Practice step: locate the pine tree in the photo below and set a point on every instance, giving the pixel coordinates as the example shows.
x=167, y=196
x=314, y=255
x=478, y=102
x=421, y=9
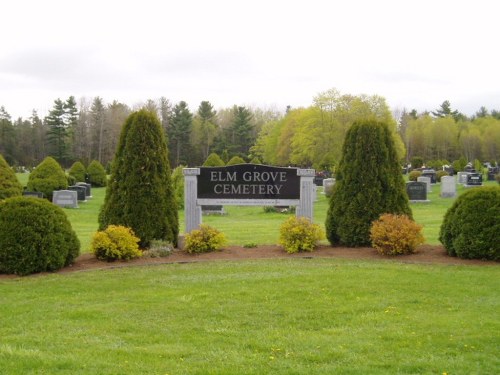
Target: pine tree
x=179, y=134
x=140, y=194
x=241, y=132
x=369, y=183
x=57, y=133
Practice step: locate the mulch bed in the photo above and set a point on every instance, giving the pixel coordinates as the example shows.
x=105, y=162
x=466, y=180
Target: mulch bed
x=426, y=254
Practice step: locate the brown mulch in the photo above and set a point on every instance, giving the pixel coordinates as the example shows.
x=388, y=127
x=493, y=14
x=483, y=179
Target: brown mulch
x=426, y=254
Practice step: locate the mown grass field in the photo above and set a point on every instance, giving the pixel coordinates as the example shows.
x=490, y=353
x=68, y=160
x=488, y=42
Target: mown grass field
x=289, y=316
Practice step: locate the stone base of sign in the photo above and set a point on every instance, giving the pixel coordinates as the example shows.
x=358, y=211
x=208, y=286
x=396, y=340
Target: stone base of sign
x=420, y=201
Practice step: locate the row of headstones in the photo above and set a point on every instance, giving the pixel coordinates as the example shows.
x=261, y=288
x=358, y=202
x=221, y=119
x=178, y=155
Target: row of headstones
x=417, y=190
x=70, y=197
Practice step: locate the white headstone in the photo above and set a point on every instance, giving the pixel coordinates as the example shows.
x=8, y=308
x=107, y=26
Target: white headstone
x=462, y=177
x=448, y=187
x=328, y=184
x=65, y=198
x=427, y=181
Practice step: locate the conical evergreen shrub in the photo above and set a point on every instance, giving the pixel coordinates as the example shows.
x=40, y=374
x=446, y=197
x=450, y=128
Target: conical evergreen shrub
x=369, y=183
x=77, y=171
x=9, y=184
x=47, y=177
x=214, y=160
x=139, y=194
x=97, y=174
x=235, y=160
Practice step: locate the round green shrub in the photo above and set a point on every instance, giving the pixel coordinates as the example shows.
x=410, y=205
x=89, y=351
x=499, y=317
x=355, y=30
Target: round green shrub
x=97, y=174
x=78, y=171
x=471, y=226
x=213, y=160
x=414, y=175
x=115, y=242
x=9, y=185
x=47, y=177
x=204, y=239
x=35, y=236
x=299, y=234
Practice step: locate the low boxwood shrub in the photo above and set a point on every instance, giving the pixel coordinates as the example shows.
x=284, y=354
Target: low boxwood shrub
x=204, y=239
x=395, y=235
x=114, y=243
x=471, y=226
x=35, y=236
x=414, y=175
x=299, y=234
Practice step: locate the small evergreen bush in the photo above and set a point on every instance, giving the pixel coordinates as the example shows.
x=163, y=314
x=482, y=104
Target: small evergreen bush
x=204, y=240
x=214, y=160
x=299, y=234
x=235, y=160
x=116, y=242
x=440, y=174
x=471, y=226
x=9, y=184
x=77, y=171
x=97, y=174
x=178, y=186
x=414, y=175
x=35, y=236
x=158, y=249
x=395, y=235
x=47, y=177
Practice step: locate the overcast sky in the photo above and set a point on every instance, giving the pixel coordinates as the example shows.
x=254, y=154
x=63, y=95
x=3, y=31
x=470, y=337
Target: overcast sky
x=266, y=53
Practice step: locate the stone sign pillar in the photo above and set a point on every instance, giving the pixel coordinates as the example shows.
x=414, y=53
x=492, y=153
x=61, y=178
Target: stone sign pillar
x=305, y=207
x=192, y=211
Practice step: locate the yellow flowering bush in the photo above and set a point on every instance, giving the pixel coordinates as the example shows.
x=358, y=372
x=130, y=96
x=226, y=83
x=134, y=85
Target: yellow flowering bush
x=299, y=234
x=204, y=240
x=395, y=235
x=115, y=242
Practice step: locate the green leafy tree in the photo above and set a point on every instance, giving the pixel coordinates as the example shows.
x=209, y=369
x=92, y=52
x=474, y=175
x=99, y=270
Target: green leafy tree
x=140, y=194
x=9, y=184
x=47, y=177
x=180, y=133
x=78, y=171
x=214, y=160
x=369, y=183
x=96, y=173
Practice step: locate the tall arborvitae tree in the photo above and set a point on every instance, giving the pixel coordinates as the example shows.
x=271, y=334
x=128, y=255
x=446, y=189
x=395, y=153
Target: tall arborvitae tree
x=369, y=183
x=139, y=193
x=179, y=134
x=9, y=185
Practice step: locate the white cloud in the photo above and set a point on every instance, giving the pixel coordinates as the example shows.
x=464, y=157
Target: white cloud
x=416, y=54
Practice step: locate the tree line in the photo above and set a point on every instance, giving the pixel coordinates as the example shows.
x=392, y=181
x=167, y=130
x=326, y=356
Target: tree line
x=308, y=136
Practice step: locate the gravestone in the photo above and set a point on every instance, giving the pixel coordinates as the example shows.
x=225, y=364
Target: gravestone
x=328, y=184
x=417, y=191
x=492, y=171
x=81, y=192
x=462, y=177
x=88, y=193
x=427, y=181
x=35, y=194
x=65, y=198
x=212, y=209
x=431, y=173
x=474, y=179
x=448, y=187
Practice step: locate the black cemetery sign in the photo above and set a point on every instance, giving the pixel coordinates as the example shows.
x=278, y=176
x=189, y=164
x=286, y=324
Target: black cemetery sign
x=248, y=182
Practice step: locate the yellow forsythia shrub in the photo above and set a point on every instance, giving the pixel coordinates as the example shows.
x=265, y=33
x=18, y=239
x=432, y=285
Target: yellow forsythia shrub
x=395, y=235
x=299, y=234
x=115, y=242
x=204, y=240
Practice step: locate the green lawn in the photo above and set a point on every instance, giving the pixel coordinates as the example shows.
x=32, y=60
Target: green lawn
x=289, y=316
